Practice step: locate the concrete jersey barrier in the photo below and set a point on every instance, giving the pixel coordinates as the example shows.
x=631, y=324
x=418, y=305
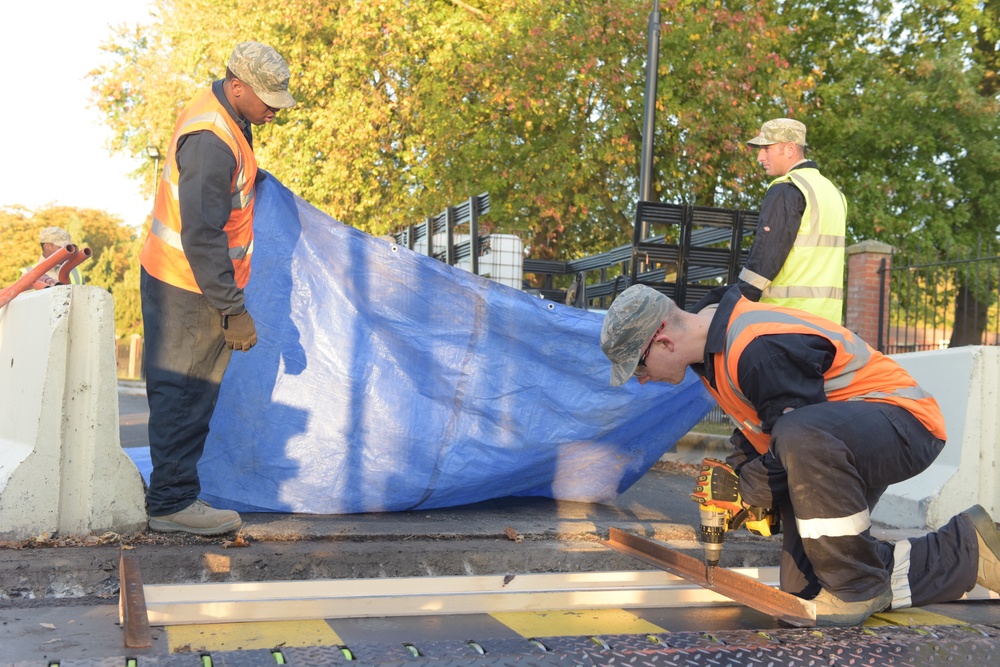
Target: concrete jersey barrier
x=62, y=469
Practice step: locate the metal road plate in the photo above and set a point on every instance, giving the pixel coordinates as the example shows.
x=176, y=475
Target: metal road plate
x=742, y=589
x=916, y=646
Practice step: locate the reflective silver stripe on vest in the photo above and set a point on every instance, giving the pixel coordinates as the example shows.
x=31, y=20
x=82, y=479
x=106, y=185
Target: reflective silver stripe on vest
x=239, y=201
x=807, y=188
x=210, y=117
x=239, y=252
x=814, y=239
x=912, y=393
x=173, y=239
x=804, y=293
x=754, y=278
x=828, y=241
x=168, y=173
x=167, y=235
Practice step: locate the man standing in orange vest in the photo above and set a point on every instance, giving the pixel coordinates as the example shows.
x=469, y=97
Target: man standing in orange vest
x=195, y=264
x=826, y=424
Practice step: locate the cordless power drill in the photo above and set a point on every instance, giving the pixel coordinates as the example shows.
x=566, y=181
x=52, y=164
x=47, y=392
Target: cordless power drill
x=722, y=509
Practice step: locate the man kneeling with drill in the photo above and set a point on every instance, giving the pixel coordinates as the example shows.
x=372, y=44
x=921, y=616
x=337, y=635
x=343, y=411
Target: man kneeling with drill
x=826, y=424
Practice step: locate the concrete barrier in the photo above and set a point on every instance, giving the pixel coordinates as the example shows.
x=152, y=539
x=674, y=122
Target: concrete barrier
x=966, y=383
x=62, y=469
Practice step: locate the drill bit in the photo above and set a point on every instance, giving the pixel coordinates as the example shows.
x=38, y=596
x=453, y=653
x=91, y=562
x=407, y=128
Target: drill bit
x=710, y=575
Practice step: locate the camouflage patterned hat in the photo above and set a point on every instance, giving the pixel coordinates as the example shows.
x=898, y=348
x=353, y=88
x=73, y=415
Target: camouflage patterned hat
x=54, y=235
x=628, y=327
x=779, y=131
x=264, y=70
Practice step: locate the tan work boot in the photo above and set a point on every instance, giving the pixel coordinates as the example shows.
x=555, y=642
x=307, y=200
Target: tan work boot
x=198, y=518
x=832, y=611
x=988, y=572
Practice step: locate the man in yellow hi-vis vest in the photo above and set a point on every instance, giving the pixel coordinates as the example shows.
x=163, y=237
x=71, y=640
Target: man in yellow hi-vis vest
x=195, y=264
x=797, y=257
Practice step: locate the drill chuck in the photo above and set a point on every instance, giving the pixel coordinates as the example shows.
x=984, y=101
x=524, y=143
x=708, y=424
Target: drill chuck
x=713, y=530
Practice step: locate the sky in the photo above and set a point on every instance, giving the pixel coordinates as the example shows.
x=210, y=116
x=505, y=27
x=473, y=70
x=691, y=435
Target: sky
x=53, y=148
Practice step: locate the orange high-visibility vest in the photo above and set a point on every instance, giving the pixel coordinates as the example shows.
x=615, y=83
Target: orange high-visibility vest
x=858, y=373
x=163, y=254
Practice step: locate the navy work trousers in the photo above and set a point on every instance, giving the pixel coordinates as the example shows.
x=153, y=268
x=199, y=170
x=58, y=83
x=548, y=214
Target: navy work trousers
x=833, y=461
x=186, y=357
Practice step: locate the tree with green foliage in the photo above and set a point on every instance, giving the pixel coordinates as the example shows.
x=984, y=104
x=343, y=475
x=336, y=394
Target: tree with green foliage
x=407, y=107
x=907, y=120
x=19, y=247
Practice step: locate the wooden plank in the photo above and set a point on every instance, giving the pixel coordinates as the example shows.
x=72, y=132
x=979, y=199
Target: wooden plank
x=132, y=604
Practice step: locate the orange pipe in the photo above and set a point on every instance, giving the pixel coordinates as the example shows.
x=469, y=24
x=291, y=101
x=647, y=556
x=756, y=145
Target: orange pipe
x=28, y=279
x=71, y=263
x=44, y=281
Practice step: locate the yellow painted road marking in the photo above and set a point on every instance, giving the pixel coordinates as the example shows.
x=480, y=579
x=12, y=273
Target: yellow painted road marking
x=911, y=617
x=245, y=636
x=581, y=622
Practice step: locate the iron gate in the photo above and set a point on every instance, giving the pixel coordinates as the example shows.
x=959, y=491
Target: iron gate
x=929, y=303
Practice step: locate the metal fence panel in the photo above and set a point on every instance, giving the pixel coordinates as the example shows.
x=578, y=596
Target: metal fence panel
x=936, y=303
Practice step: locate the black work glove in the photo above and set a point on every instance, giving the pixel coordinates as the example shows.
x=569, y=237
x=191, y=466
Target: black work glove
x=239, y=330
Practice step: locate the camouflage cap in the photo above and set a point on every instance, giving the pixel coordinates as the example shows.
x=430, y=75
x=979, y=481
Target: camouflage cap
x=263, y=69
x=779, y=131
x=628, y=327
x=54, y=235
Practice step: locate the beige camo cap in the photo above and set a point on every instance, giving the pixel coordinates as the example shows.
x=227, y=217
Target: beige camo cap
x=779, y=131
x=54, y=235
x=264, y=70
x=629, y=326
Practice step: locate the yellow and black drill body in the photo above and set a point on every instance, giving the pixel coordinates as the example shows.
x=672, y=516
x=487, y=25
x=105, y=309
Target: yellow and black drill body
x=723, y=510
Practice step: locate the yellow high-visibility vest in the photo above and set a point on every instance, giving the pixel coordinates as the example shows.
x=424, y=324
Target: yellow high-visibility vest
x=812, y=278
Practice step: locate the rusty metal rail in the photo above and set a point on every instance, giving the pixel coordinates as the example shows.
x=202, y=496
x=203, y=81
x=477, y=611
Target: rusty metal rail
x=132, y=604
x=742, y=589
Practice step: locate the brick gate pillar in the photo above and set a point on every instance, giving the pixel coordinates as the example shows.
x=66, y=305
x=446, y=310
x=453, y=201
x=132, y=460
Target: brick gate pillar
x=862, y=298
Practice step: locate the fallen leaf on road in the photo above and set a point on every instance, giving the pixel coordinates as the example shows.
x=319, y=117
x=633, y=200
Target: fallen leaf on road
x=512, y=534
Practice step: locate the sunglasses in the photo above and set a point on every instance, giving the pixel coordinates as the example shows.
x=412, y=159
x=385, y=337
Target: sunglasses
x=642, y=359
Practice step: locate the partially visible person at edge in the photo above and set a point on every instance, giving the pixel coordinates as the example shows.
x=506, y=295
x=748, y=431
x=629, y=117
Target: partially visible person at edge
x=828, y=424
x=195, y=264
x=797, y=257
x=52, y=239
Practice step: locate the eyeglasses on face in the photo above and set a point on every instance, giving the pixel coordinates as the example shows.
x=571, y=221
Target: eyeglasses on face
x=642, y=359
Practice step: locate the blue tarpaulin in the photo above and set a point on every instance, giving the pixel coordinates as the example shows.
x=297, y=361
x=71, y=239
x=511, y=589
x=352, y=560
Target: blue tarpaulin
x=386, y=380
